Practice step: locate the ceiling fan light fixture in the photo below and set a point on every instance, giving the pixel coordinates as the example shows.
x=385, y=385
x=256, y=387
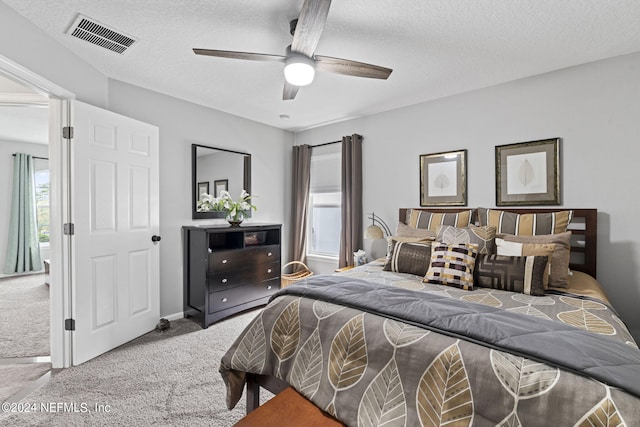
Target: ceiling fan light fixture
x=299, y=70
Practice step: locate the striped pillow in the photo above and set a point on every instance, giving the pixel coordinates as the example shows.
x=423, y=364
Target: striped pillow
x=452, y=265
x=534, y=224
x=433, y=220
x=408, y=257
x=523, y=274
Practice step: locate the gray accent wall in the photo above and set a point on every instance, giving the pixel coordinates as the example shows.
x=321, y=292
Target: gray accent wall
x=593, y=108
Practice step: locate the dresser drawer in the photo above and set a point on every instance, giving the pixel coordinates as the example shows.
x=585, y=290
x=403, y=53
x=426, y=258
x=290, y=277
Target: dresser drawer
x=234, y=259
x=239, y=295
x=243, y=276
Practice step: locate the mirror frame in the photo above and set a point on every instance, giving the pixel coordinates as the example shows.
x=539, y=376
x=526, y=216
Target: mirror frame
x=194, y=181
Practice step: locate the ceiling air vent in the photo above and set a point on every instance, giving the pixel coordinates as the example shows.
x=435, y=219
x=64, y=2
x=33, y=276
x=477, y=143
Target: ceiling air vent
x=89, y=30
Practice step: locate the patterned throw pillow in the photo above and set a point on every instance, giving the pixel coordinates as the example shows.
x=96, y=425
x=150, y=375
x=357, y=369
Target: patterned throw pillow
x=452, y=265
x=523, y=274
x=484, y=237
x=525, y=224
x=527, y=249
x=560, y=258
x=408, y=257
x=433, y=220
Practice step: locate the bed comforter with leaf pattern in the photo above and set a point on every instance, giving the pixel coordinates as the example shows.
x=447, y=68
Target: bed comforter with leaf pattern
x=367, y=367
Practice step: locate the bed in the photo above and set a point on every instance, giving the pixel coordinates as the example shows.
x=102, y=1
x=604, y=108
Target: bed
x=376, y=347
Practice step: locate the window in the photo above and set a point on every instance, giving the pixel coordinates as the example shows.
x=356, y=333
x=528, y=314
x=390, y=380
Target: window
x=41, y=182
x=323, y=222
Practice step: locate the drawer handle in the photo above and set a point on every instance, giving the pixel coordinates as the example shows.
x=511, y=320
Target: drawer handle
x=223, y=300
x=269, y=254
x=269, y=287
x=224, y=261
x=269, y=271
x=224, y=280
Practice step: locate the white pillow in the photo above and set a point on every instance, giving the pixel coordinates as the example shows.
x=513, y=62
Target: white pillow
x=508, y=248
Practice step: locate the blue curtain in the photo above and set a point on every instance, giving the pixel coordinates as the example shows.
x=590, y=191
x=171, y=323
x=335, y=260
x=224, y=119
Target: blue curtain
x=23, y=249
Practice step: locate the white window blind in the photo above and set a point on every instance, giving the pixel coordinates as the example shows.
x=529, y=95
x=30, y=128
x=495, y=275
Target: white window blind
x=324, y=213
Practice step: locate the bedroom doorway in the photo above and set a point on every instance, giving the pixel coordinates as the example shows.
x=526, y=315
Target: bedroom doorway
x=25, y=314
x=24, y=297
x=121, y=288
x=54, y=101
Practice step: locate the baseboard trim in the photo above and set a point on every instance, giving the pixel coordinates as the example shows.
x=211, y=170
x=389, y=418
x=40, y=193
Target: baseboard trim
x=174, y=316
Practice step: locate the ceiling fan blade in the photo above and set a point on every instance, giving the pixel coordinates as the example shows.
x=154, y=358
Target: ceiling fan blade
x=351, y=68
x=239, y=55
x=289, y=92
x=310, y=25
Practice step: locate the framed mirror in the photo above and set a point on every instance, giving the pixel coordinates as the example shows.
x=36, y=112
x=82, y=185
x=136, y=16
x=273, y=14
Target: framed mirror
x=216, y=169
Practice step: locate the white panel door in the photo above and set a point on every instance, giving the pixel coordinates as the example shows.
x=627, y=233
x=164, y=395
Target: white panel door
x=115, y=284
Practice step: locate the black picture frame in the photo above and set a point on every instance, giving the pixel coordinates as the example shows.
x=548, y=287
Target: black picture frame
x=219, y=185
x=203, y=187
x=528, y=173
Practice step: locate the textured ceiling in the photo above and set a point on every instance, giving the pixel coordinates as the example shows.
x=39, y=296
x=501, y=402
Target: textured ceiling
x=436, y=48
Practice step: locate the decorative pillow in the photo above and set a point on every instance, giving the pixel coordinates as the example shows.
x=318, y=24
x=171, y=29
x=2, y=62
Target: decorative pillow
x=525, y=224
x=452, y=265
x=432, y=220
x=408, y=257
x=523, y=274
x=484, y=237
x=528, y=249
x=559, y=259
x=403, y=230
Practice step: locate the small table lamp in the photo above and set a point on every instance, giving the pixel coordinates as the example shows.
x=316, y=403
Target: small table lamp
x=376, y=247
x=375, y=232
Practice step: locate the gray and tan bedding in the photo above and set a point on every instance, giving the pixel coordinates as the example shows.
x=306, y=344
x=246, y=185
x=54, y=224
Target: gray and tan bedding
x=378, y=347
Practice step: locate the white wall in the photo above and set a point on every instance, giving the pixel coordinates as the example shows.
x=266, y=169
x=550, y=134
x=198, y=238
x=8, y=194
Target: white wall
x=181, y=124
x=593, y=108
x=25, y=44
x=7, y=149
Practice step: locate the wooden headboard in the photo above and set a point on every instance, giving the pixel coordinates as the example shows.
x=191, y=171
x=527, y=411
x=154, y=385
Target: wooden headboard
x=584, y=233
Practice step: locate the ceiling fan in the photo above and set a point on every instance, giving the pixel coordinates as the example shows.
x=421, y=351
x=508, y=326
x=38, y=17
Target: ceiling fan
x=299, y=61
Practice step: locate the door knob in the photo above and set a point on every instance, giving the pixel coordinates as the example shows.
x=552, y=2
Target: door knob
x=155, y=239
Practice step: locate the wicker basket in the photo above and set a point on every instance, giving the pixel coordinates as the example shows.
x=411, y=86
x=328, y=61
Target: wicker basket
x=289, y=278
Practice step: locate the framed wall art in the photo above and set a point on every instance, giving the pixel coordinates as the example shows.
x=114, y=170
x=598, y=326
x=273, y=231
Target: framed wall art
x=528, y=173
x=203, y=187
x=219, y=186
x=443, y=179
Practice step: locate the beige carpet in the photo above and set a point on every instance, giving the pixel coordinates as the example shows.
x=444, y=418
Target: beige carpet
x=162, y=379
x=24, y=317
x=13, y=377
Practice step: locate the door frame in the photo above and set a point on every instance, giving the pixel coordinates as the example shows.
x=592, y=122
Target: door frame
x=59, y=202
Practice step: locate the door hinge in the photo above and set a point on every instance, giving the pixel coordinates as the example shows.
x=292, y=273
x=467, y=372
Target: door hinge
x=68, y=229
x=67, y=132
x=69, y=324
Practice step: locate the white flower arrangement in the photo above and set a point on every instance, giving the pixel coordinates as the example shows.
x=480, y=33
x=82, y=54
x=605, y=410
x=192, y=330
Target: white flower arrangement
x=225, y=203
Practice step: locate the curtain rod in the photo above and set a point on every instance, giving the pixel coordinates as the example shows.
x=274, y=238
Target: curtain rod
x=326, y=143
x=34, y=157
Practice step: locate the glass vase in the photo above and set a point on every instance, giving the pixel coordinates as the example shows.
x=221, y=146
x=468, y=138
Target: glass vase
x=235, y=219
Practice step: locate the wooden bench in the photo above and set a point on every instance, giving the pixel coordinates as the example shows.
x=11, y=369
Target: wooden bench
x=288, y=408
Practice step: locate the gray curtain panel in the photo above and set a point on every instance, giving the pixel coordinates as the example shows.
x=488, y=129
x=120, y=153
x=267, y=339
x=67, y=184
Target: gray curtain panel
x=300, y=179
x=23, y=249
x=351, y=231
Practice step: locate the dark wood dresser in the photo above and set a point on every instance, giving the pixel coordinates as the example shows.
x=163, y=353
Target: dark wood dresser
x=229, y=269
